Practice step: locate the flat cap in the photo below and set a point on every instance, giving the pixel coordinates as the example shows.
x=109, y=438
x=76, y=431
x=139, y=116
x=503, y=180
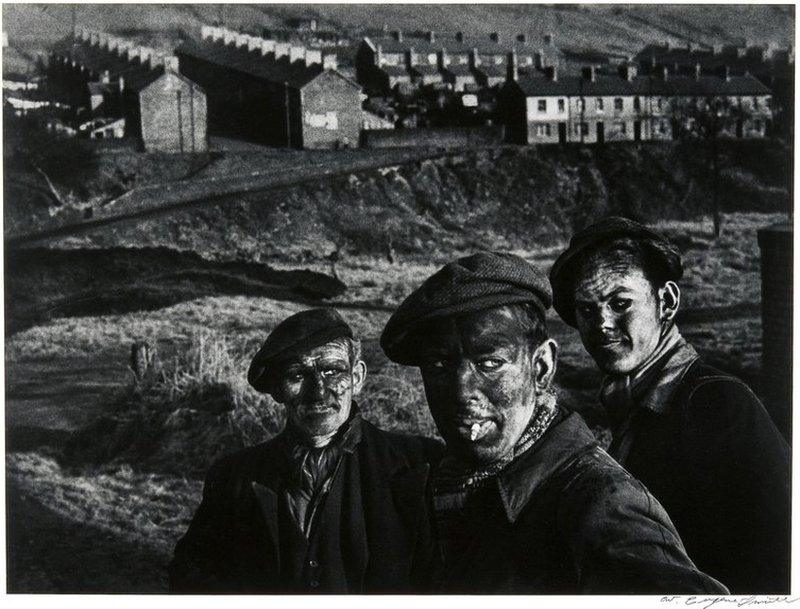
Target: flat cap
x=586, y=241
x=467, y=285
x=300, y=332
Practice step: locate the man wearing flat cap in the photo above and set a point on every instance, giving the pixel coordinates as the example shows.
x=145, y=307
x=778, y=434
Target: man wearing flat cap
x=330, y=505
x=698, y=438
x=526, y=501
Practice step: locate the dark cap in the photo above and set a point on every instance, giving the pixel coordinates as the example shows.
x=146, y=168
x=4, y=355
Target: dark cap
x=300, y=332
x=467, y=285
x=585, y=242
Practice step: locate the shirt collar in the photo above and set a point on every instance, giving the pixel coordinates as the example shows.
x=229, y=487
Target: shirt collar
x=566, y=437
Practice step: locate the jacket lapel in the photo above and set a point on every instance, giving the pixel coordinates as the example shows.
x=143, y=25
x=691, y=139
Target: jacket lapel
x=267, y=500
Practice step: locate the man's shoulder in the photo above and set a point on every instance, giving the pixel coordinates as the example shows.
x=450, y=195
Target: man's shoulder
x=246, y=460
x=416, y=449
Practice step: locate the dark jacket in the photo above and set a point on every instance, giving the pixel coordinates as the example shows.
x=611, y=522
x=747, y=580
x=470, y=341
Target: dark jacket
x=721, y=469
x=374, y=532
x=565, y=518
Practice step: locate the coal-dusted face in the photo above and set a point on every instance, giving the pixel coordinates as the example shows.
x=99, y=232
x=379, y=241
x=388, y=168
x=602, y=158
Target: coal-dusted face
x=480, y=375
x=317, y=388
x=619, y=314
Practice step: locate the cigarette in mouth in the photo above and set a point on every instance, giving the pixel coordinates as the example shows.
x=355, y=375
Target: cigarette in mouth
x=475, y=432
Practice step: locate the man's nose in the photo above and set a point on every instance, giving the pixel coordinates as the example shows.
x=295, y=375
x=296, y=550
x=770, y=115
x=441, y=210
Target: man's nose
x=315, y=386
x=466, y=387
x=606, y=320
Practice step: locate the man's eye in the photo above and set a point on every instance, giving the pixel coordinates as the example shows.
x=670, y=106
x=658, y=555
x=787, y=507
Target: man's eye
x=437, y=365
x=293, y=377
x=584, y=310
x=487, y=365
x=620, y=304
x=333, y=371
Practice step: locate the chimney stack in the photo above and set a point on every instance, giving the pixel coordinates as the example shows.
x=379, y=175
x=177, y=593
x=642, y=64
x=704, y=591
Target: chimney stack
x=628, y=71
x=726, y=73
x=494, y=37
x=664, y=73
x=459, y=36
x=105, y=77
x=121, y=84
x=171, y=64
x=588, y=73
x=329, y=62
x=551, y=72
x=522, y=38
x=548, y=40
x=397, y=35
x=267, y=47
x=281, y=49
x=698, y=70
x=296, y=53
x=313, y=57
x=431, y=36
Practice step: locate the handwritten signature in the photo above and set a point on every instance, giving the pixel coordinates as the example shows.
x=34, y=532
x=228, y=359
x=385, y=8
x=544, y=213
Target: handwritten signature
x=705, y=602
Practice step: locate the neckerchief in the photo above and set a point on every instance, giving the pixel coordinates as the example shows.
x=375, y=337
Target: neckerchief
x=454, y=476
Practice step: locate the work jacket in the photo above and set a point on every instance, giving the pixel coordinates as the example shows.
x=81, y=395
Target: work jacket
x=565, y=518
x=717, y=463
x=373, y=532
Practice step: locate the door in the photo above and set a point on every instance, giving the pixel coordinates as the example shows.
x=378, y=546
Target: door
x=739, y=128
x=637, y=131
x=601, y=133
x=562, y=133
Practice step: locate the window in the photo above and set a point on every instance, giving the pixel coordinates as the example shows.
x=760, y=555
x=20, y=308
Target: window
x=662, y=127
x=581, y=129
x=757, y=125
x=755, y=103
x=618, y=104
x=581, y=105
x=543, y=130
x=637, y=105
x=541, y=105
x=660, y=103
x=598, y=103
x=622, y=127
x=561, y=106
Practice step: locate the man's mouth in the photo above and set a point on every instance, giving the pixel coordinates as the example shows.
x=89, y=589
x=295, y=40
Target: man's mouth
x=475, y=428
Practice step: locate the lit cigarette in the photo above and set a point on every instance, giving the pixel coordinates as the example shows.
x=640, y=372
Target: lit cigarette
x=474, y=432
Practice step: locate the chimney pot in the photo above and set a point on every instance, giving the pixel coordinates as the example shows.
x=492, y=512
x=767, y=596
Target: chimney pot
x=494, y=37
x=397, y=35
x=522, y=38
x=121, y=84
x=698, y=70
x=588, y=73
x=548, y=39
x=551, y=72
x=431, y=36
x=171, y=63
x=459, y=36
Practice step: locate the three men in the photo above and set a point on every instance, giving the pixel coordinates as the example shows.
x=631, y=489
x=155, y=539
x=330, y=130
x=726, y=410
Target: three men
x=699, y=439
x=332, y=504
x=525, y=499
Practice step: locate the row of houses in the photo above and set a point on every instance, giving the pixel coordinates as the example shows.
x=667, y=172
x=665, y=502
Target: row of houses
x=397, y=63
x=272, y=92
x=116, y=88
x=626, y=106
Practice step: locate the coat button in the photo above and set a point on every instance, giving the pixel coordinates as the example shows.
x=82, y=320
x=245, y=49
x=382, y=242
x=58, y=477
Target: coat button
x=313, y=564
x=314, y=583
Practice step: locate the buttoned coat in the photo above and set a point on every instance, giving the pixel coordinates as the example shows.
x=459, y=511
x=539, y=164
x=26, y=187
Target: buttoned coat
x=384, y=540
x=565, y=518
x=719, y=466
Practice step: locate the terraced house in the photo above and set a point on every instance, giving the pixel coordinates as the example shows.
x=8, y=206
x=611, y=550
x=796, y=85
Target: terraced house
x=277, y=93
x=396, y=62
x=598, y=108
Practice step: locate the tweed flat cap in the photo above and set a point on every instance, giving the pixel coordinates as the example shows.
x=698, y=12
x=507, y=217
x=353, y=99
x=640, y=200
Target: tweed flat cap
x=584, y=242
x=295, y=334
x=467, y=285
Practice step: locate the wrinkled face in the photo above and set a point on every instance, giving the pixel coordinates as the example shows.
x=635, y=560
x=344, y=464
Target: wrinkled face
x=617, y=313
x=478, y=374
x=317, y=388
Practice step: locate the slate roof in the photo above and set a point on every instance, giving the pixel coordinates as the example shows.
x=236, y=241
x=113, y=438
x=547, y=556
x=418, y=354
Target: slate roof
x=605, y=85
x=460, y=69
x=253, y=63
x=135, y=75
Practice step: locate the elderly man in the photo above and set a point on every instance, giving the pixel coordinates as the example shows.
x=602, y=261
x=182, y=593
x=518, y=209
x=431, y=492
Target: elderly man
x=526, y=501
x=699, y=439
x=330, y=505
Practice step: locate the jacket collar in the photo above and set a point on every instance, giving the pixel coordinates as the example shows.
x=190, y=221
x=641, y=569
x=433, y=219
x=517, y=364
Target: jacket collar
x=566, y=437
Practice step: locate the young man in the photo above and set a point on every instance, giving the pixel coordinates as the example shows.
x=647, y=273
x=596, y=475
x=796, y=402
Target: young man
x=699, y=439
x=332, y=504
x=526, y=501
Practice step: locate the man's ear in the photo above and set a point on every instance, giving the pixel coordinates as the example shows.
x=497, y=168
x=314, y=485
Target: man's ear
x=544, y=364
x=669, y=299
x=359, y=376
